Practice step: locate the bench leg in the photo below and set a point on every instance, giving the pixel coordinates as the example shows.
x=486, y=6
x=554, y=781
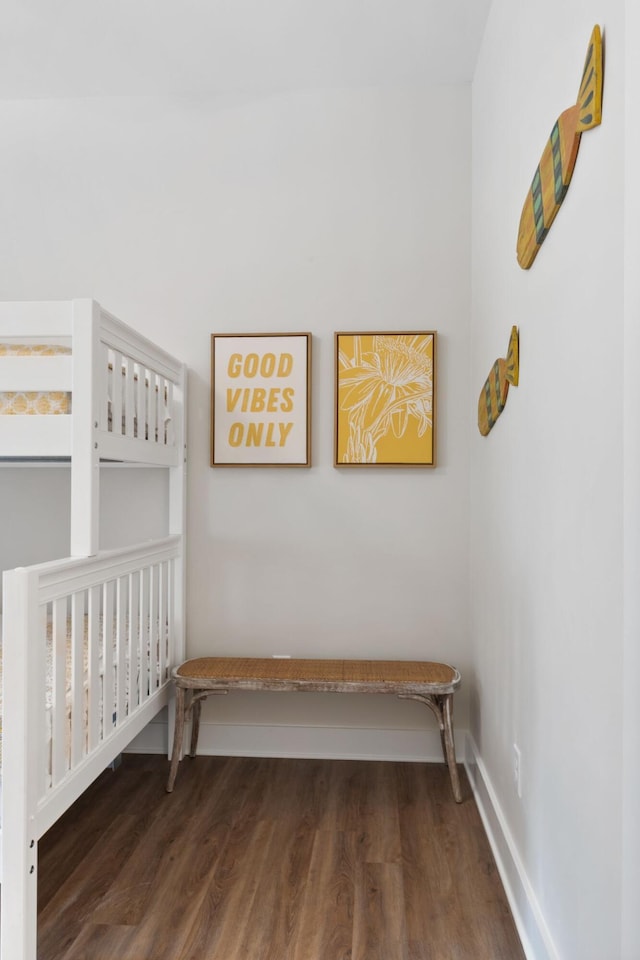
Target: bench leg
x=441, y=706
x=449, y=749
x=178, y=736
x=195, y=724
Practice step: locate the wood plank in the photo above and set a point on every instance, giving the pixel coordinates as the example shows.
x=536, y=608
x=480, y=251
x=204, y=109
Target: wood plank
x=379, y=928
x=325, y=924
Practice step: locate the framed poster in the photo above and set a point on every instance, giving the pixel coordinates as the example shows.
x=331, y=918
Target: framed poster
x=260, y=399
x=385, y=398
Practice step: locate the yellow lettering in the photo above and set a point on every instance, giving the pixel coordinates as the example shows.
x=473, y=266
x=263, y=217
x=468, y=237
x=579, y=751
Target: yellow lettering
x=254, y=434
x=235, y=434
x=285, y=364
x=251, y=364
x=232, y=398
x=272, y=402
x=287, y=400
x=271, y=429
x=235, y=365
x=285, y=429
x=268, y=364
x=257, y=403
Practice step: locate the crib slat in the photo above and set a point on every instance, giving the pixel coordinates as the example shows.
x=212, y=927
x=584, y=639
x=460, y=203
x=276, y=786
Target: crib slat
x=116, y=393
x=143, y=649
x=129, y=406
x=171, y=613
x=153, y=628
x=42, y=759
x=152, y=404
x=93, y=664
x=107, y=378
x=133, y=642
x=108, y=699
x=141, y=413
x=169, y=428
x=77, y=677
x=59, y=727
x=121, y=648
x=162, y=622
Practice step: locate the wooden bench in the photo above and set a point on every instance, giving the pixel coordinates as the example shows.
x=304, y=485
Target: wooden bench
x=430, y=683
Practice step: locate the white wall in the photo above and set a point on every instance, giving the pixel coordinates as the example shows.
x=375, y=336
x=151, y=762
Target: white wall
x=316, y=211
x=631, y=716
x=547, y=484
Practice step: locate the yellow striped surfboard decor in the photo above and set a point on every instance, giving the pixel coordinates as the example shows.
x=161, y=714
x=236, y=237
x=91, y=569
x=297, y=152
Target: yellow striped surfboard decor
x=493, y=396
x=553, y=175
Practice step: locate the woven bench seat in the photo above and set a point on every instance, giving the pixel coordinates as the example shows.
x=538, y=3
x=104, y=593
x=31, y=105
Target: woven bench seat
x=427, y=682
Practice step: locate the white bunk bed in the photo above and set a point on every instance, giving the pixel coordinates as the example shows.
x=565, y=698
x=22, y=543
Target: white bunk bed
x=88, y=641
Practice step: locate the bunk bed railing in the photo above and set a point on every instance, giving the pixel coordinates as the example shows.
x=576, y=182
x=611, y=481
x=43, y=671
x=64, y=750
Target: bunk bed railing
x=88, y=646
x=126, y=394
x=127, y=402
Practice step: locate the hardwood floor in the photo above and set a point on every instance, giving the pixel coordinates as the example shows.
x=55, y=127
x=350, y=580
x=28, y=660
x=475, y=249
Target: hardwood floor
x=257, y=859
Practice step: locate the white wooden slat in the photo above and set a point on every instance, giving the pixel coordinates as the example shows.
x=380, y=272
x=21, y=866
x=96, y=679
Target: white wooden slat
x=42, y=758
x=141, y=396
x=108, y=399
x=122, y=596
x=77, y=678
x=108, y=693
x=129, y=404
x=59, y=726
x=143, y=649
x=107, y=381
x=116, y=396
x=162, y=622
x=36, y=373
x=152, y=408
x=94, y=719
x=169, y=430
x=154, y=636
x=174, y=652
x=133, y=450
x=133, y=645
x=22, y=436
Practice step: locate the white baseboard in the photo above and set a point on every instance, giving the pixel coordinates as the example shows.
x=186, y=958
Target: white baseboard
x=305, y=742
x=531, y=925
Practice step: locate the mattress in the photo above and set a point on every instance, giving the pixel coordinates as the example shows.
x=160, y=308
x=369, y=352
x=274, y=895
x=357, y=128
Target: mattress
x=19, y=403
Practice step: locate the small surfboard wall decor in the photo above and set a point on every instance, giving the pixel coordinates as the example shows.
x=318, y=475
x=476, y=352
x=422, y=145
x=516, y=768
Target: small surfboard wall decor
x=553, y=176
x=493, y=395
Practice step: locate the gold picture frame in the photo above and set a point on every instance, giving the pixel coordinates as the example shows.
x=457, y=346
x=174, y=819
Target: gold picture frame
x=385, y=399
x=260, y=399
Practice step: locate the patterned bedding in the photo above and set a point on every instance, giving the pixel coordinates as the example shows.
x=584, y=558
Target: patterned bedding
x=58, y=402
x=30, y=402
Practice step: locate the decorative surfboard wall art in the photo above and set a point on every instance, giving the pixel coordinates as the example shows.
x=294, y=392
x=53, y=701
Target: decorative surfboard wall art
x=553, y=176
x=493, y=395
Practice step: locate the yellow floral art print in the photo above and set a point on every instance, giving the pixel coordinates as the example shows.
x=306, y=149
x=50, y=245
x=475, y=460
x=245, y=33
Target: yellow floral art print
x=385, y=398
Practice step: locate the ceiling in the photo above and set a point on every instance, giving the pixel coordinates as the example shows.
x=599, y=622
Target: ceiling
x=88, y=48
